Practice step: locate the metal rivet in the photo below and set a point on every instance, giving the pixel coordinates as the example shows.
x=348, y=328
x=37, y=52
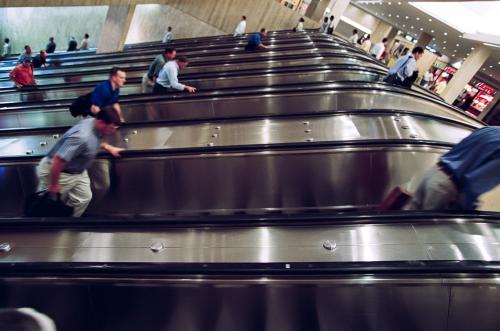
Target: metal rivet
x=215, y=135
x=43, y=143
x=305, y=122
x=134, y=132
x=55, y=136
x=157, y=247
x=217, y=128
x=329, y=245
x=413, y=135
x=5, y=247
x=397, y=119
x=30, y=151
x=125, y=140
x=210, y=144
x=405, y=127
x=307, y=130
x=310, y=139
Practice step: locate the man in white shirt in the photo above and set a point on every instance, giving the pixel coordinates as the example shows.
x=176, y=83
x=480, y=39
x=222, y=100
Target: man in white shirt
x=427, y=78
x=167, y=79
x=240, y=29
x=168, y=35
x=354, y=38
x=85, y=45
x=378, y=49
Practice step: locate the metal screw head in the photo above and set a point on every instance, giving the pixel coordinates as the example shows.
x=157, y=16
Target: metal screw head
x=310, y=140
x=157, y=247
x=305, y=122
x=414, y=135
x=405, y=127
x=134, y=132
x=125, y=140
x=55, y=136
x=43, y=143
x=29, y=151
x=5, y=247
x=215, y=135
x=329, y=245
x=397, y=119
x=217, y=128
x=210, y=144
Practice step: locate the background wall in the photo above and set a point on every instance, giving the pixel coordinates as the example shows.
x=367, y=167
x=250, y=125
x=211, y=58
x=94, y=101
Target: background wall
x=34, y=25
x=378, y=28
x=150, y=22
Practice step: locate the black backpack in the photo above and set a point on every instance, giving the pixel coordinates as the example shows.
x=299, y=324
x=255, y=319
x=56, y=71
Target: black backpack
x=40, y=204
x=81, y=106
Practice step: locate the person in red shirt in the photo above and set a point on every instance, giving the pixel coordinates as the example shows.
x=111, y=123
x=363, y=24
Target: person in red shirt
x=23, y=75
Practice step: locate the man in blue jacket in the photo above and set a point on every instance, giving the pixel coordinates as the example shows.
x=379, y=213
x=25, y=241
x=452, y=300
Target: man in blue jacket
x=107, y=93
x=254, y=41
x=469, y=169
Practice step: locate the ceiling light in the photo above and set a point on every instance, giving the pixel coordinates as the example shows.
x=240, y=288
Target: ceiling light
x=406, y=17
x=421, y=29
x=472, y=48
x=397, y=16
x=459, y=36
x=430, y=19
x=498, y=62
x=418, y=18
x=444, y=47
x=484, y=69
x=491, y=75
x=446, y=33
x=404, y=25
x=458, y=45
x=412, y=26
x=389, y=3
x=491, y=66
x=467, y=54
x=444, y=42
x=399, y=3
x=389, y=15
x=432, y=31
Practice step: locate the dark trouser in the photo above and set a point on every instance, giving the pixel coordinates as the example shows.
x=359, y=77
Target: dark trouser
x=251, y=47
x=159, y=89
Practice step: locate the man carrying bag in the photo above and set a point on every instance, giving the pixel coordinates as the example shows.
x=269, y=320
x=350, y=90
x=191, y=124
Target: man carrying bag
x=404, y=71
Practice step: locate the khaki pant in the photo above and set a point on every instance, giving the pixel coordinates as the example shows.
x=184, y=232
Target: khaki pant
x=435, y=191
x=147, y=84
x=75, y=188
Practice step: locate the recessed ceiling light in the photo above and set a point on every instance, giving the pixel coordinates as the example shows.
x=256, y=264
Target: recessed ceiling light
x=484, y=69
x=459, y=36
x=399, y=3
x=406, y=17
x=432, y=31
x=458, y=45
x=444, y=47
x=454, y=51
x=498, y=62
x=404, y=25
x=444, y=42
x=491, y=66
x=430, y=19
x=389, y=3
x=389, y=15
x=421, y=29
x=418, y=18
x=472, y=48
x=397, y=16
x=446, y=33
x=491, y=75
x=467, y=54
x=412, y=26
x=452, y=55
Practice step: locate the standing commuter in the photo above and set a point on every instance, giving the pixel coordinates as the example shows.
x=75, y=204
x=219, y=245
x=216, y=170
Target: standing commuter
x=403, y=71
x=168, y=36
x=242, y=26
x=427, y=78
x=63, y=172
x=366, y=43
x=107, y=93
x=26, y=55
x=254, y=41
x=51, y=46
x=354, y=38
x=22, y=75
x=72, y=45
x=85, y=44
x=167, y=79
x=378, y=49
x=40, y=59
x=331, y=26
x=7, y=48
x=324, y=26
x=469, y=169
x=149, y=78
x=300, y=25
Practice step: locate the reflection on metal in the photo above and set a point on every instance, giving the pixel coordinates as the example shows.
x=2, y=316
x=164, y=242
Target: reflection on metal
x=4, y=247
x=329, y=245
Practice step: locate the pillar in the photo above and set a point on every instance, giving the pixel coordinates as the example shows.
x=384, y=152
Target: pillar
x=315, y=9
x=337, y=9
x=115, y=29
x=391, y=35
x=469, y=68
x=424, y=39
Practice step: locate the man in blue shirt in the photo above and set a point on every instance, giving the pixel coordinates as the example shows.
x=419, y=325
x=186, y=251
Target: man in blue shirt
x=255, y=41
x=469, y=169
x=107, y=93
x=403, y=69
x=64, y=170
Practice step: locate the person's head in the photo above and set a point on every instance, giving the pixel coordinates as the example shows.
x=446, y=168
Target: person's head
x=107, y=120
x=43, y=54
x=384, y=41
x=417, y=52
x=182, y=62
x=169, y=29
x=325, y=20
x=72, y=38
x=169, y=53
x=243, y=18
x=6, y=40
x=13, y=319
x=302, y=20
x=405, y=50
x=27, y=62
x=117, y=76
x=430, y=70
x=27, y=49
x=332, y=18
x=86, y=36
x=355, y=31
x=263, y=32
x=367, y=37
x=51, y=39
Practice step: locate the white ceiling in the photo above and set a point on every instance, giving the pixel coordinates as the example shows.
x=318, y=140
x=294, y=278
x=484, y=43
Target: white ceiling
x=447, y=40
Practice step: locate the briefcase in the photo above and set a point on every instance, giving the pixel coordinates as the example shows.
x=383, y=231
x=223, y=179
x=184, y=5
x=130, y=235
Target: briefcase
x=40, y=204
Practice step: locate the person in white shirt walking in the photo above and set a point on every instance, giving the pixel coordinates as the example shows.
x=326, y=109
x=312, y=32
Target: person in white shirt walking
x=324, y=26
x=168, y=35
x=354, y=38
x=167, y=80
x=366, y=43
x=331, y=26
x=378, y=49
x=300, y=25
x=85, y=44
x=242, y=26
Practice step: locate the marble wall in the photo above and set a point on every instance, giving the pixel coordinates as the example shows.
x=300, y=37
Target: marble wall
x=150, y=23
x=34, y=25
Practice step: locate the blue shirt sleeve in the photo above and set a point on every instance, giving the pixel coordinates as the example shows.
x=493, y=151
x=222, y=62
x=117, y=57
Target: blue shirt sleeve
x=479, y=181
x=98, y=95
